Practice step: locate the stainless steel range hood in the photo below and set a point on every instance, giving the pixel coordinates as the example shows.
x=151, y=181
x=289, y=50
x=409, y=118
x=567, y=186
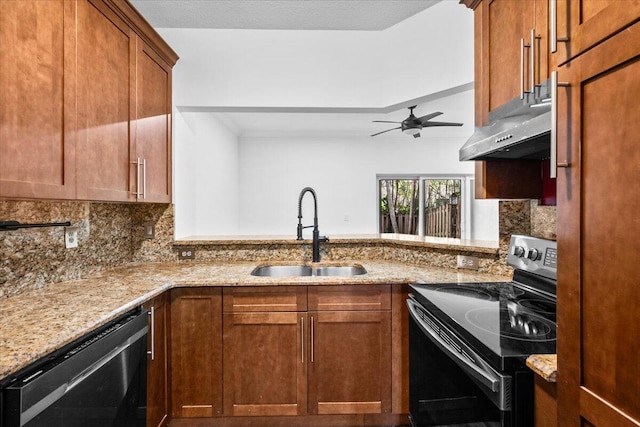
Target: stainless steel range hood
x=519, y=129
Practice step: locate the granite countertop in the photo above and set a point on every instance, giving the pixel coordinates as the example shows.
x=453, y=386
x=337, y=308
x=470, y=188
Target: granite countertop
x=545, y=365
x=478, y=246
x=39, y=321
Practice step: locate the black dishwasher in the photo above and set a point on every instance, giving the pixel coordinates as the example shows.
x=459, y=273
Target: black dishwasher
x=99, y=381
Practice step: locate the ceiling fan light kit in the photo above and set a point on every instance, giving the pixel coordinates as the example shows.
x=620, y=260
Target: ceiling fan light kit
x=412, y=125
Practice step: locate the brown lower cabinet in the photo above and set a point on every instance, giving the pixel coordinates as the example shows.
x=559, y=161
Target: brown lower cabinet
x=196, y=352
x=264, y=362
x=349, y=349
x=292, y=354
x=545, y=396
x=158, y=362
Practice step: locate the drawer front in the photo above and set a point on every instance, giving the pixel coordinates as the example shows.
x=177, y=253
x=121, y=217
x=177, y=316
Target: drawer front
x=263, y=299
x=350, y=298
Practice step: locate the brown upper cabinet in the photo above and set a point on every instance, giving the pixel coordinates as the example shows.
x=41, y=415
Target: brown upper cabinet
x=511, y=58
x=37, y=99
x=580, y=25
x=96, y=121
x=106, y=104
x=511, y=51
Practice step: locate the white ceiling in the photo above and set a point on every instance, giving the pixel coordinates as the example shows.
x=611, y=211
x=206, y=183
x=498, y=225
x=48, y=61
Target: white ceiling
x=355, y=122
x=345, y=15
x=363, y=15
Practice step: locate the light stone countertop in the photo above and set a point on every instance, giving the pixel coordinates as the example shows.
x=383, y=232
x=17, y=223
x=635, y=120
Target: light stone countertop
x=545, y=365
x=39, y=321
x=478, y=246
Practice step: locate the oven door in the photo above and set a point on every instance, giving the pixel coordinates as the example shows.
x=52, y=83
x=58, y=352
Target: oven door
x=448, y=382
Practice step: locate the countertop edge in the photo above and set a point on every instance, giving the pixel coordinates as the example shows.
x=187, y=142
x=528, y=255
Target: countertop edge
x=478, y=246
x=76, y=303
x=544, y=365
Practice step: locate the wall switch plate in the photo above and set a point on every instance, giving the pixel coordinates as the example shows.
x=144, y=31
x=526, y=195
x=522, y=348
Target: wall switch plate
x=186, y=253
x=149, y=230
x=468, y=262
x=71, y=237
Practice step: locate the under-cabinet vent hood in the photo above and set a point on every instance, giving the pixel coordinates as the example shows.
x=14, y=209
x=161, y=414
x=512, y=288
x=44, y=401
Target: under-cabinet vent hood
x=519, y=129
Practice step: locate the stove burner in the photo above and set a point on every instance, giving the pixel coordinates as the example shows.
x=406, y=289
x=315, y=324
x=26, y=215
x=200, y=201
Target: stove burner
x=510, y=291
x=524, y=327
x=538, y=305
x=466, y=291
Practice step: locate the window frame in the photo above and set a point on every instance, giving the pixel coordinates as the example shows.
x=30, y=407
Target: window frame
x=464, y=201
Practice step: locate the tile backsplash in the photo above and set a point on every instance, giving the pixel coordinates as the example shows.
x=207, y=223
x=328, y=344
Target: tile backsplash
x=110, y=234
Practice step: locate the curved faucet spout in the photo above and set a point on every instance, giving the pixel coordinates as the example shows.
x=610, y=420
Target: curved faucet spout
x=316, y=234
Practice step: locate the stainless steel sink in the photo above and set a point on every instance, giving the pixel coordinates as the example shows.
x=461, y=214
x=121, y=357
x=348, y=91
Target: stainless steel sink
x=340, y=271
x=282, y=270
x=307, y=270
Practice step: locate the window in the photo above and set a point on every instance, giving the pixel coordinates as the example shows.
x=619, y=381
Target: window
x=422, y=205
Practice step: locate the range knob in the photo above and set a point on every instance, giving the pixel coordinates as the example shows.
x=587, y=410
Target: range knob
x=518, y=251
x=534, y=254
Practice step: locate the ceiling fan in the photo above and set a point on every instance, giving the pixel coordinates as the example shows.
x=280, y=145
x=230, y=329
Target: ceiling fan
x=412, y=125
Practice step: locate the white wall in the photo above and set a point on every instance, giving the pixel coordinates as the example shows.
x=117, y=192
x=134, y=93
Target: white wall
x=206, y=176
x=228, y=185
x=342, y=171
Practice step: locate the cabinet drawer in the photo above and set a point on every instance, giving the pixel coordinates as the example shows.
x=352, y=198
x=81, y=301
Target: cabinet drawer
x=271, y=298
x=349, y=298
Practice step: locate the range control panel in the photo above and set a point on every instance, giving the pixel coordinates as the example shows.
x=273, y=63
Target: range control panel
x=535, y=255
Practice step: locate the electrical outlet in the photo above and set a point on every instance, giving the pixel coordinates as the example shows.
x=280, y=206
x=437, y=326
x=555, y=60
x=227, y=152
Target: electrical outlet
x=468, y=262
x=71, y=237
x=149, y=230
x=186, y=253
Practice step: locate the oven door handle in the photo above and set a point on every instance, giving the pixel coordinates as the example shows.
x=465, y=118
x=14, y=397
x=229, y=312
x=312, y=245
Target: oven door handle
x=485, y=378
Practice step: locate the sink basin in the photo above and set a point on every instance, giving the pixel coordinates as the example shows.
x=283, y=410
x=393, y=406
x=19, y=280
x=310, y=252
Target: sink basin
x=339, y=270
x=306, y=270
x=282, y=270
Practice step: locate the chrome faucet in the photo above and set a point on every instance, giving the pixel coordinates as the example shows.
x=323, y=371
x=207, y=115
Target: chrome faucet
x=316, y=234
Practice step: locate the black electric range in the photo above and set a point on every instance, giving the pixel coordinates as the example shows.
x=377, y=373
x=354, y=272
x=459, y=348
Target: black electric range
x=481, y=334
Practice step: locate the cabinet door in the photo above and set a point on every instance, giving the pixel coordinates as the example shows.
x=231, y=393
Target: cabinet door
x=158, y=375
x=503, y=24
x=153, y=124
x=599, y=235
x=350, y=362
x=106, y=83
x=196, y=352
x=37, y=107
x=585, y=23
x=264, y=364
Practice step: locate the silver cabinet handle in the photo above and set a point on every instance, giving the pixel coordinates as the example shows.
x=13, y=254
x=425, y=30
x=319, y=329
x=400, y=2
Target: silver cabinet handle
x=302, y=339
x=152, y=320
x=553, y=25
x=522, y=70
x=312, y=338
x=138, y=164
x=532, y=59
x=553, y=160
x=144, y=178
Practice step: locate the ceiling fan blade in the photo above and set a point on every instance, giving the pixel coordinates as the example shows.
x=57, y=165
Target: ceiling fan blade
x=386, y=131
x=424, y=119
x=417, y=135
x=427, y=124
x=384, y=121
